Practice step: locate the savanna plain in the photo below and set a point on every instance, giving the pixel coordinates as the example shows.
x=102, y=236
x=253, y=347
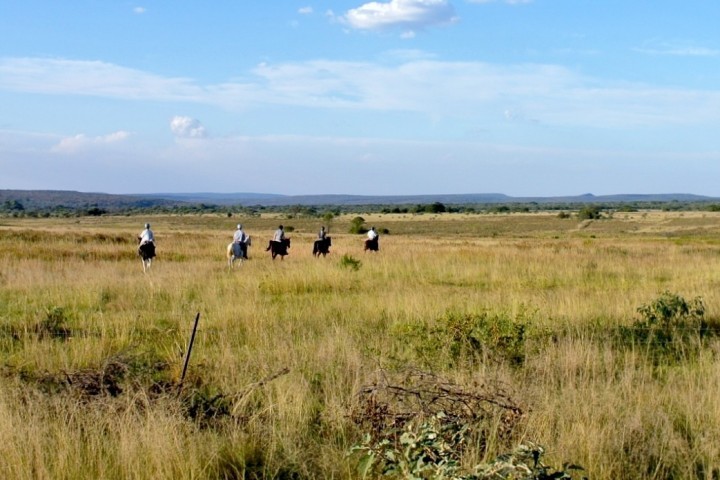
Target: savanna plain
x=596, y=339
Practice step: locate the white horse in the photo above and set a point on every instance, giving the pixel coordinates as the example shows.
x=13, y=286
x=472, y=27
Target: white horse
x=231, y=253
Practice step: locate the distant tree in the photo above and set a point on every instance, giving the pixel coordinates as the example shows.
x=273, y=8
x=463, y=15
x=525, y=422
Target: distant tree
x=13, y=205
x=357, y=225
x=590, y=212
x=96, y=211
x=436, y=207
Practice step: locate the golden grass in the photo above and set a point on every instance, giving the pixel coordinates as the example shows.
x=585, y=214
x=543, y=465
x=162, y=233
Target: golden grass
x=287, y=345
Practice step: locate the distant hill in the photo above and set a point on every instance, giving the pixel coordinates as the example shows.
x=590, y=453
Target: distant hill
x=248, y=199
x=47, y=199
x=52, y=199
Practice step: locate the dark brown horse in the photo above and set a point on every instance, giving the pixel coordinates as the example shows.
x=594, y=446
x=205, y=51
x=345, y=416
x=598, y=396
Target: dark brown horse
x=278, y=248
x=372, y=245
x=147, y=253
x=322, y=247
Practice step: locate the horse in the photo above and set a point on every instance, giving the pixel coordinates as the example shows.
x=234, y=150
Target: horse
x=372, y=245
x=322, y=247
x=147, y=253
x=278, y=248
x=238, y=251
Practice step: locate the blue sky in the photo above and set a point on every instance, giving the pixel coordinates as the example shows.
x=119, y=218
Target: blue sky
x=522, y=97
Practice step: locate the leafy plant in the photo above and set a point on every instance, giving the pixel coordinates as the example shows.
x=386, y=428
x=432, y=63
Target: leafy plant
x=590, y=212
x=350, y=262
x=54, y=323
x=357, y=225
x=670, y=327
x=457, y=336
x=433, y=449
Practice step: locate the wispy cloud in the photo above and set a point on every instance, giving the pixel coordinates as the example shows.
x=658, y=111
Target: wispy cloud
x=82, y=141
x=408, y=15
x=548, y=94
x=139, y=10
x=305, y=10
x=677, y=49
x=78, y=77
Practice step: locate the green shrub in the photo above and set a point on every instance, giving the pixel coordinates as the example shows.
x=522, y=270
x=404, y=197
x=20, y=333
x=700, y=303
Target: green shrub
x=54, y=323
x=669, y=328
x=590, y=212
x=350, y=262
x=458, y=337
x=357, y=225
x=433, y=449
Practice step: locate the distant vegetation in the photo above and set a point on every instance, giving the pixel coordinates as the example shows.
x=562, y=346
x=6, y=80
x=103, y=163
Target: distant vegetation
x=45, y=204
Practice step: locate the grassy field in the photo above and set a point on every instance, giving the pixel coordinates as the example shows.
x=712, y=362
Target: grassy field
x=524, y=326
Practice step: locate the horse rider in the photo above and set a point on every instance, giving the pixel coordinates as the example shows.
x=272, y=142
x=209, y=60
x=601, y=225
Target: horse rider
x=146, y=236
x=279, y=234
x=322, y=234
x=239, y=242
x=372, y=234
x=146, y=249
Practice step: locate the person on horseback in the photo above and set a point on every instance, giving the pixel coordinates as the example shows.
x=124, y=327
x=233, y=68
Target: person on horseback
x=372, y=240
x=146, y=236
x=279, y=234
x=372, y=234
x=240, y=242
x=146, y=249
x=322, y=243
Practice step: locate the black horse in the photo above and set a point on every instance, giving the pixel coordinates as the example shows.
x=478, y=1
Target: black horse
x=278, y=248
x=322, y=247
x=372, y=245
x=147, y=253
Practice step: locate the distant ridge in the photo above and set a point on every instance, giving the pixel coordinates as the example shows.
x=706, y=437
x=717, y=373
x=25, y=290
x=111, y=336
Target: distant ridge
x=249, y=199
x=44, y=199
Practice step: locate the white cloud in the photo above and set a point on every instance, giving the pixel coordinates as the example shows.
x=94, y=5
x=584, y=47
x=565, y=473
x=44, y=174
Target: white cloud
x=82, y=141
x=139, y=10
x=186, y=127
x=406, y=14
x=677, y=49
x=305, y=10
x=78, y=77
x=548, y=94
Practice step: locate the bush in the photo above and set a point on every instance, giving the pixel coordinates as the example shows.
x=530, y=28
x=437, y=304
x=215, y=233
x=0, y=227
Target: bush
x=590, y=212
x=357, y=225
x=670, y=328
x=458, y=337
x=433, y=449
x=350, y=262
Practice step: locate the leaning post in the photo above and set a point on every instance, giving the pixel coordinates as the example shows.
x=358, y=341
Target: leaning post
x=189, y=351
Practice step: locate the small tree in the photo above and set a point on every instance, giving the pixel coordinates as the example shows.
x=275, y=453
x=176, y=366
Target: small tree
x=357, y=225
x=590, y=212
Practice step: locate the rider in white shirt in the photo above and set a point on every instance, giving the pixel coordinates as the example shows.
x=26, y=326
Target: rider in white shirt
x=239, y=239
x=372, y=234
x=279, y=234
x=147, y=236
x=239, y=235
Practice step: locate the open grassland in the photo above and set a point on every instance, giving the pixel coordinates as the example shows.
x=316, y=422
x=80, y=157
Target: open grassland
x=531, y=311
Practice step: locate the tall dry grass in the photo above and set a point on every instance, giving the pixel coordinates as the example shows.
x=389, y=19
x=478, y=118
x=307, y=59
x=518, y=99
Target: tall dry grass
x=284, y=347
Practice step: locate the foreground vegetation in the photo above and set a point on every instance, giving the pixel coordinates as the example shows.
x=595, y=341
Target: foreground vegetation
x=596, y=339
